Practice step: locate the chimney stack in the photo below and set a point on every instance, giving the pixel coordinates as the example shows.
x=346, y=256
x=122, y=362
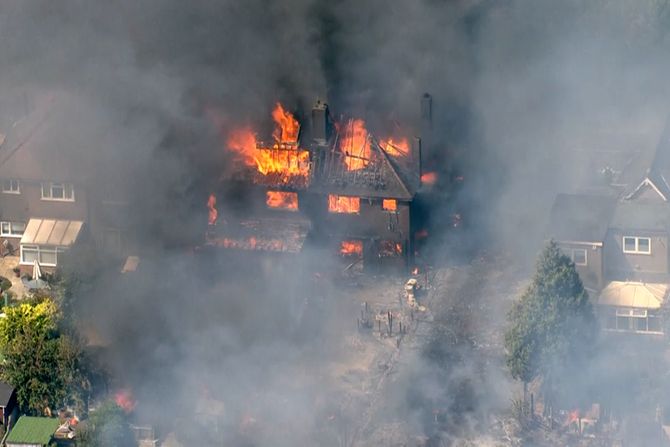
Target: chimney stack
x=320, y=122
x=427, y=112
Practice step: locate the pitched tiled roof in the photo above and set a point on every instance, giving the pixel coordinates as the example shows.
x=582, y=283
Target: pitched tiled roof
x=31, y=430
x=581, y=217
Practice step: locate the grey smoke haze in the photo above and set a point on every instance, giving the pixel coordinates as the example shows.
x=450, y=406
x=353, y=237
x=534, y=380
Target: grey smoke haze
x=522, y=89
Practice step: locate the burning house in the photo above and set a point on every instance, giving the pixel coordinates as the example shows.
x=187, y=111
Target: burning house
x=334, y=179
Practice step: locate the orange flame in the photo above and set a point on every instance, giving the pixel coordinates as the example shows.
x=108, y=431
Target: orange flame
x=399, y=148
x=344, y=204
x=390, y=248
x=355, y=144
x=281, y=199
x=573, y=416
x=211, y=206
x=390, y=205
x=243, y=141
x=125, y=400
x=287, y=126
x=351, y=248
x=283, y=159
x=429, y=178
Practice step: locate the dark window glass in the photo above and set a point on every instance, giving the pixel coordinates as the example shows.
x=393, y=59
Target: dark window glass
x=623, y=323
x=579, y=256
x=629, y=243
x=643, y=245
x=640, y=324
x=655, y=324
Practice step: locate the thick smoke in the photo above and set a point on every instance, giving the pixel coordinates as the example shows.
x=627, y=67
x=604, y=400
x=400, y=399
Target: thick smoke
x=524, y=91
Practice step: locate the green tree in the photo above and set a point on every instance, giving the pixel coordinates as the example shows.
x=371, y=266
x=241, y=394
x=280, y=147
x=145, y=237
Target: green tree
x=44, y=365
x=552, y=327
x=107, y=426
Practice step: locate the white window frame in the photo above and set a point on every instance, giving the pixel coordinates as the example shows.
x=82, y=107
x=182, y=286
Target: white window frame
x=586, y=256
x=633, y=314
x=49, y=186
x=39, y=249
x=636, y=250
x=11, y=232
x=12, y=183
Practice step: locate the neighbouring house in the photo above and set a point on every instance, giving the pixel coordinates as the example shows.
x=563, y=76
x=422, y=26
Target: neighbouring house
x=618, y=239
x=7, y=402
x=54, y=171
x=31, y=431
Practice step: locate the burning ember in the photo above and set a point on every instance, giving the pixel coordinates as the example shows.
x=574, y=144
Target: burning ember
x=344, y=204
x=429, y=178
x=351, y=248
x=283, y=160
x=390, y=205
x=415, y=271
x=211, y=206
x=281, y=199
x=355, y=144
x=399, y=148
x=125, y=400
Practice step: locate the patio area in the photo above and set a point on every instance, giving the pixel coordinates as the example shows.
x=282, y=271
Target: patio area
x=7, y=264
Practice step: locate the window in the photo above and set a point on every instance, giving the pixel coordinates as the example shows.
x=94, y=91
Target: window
x=637, y=245
x=389, y=249
x=389, y=205
x=344, y=204
x=578, y=256
x=29, y=253
x=58, y=191
x=282, y=200
x=45, y=255
x=12, y=229
x=633, y=320
x=11, y=186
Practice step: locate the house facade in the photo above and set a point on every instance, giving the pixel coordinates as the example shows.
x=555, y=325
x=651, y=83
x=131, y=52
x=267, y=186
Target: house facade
x=357, y=199
x=49, y=183
x=618, y=241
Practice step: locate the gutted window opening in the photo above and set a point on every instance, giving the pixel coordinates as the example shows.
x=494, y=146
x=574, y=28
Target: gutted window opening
x=282, y=200
x=344, y=204
x=389, y=249
x=353, y=248
x=390, y=205
x=637, y=245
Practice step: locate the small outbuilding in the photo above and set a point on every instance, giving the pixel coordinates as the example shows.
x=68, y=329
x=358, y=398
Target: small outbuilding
x=7, y=402
x=31, y=431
